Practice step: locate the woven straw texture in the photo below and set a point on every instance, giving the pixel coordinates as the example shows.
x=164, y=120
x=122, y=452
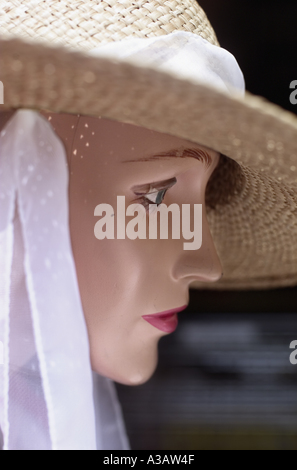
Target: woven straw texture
x=89, y=23
x=252, y=199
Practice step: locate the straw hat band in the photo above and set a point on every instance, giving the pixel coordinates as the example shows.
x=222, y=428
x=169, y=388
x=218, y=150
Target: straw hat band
x=88, y=24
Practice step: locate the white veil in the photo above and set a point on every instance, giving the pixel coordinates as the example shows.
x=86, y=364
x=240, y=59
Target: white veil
x=46, y=383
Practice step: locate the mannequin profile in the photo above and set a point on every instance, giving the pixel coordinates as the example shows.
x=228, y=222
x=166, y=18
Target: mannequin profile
x=120, y=281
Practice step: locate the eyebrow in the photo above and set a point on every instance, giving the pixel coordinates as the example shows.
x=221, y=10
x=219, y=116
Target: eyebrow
x=198, y=154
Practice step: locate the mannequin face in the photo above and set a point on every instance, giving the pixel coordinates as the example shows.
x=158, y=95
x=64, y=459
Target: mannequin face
x=121, y=281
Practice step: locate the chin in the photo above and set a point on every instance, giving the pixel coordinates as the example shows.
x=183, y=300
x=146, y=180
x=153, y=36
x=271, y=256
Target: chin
x=135, y=373
x=139, y=377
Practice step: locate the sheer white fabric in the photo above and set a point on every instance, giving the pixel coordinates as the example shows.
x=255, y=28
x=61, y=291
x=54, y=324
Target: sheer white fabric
x=185, y=55
x=46, y=384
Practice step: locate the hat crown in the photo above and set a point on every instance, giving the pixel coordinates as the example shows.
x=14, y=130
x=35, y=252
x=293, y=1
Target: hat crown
x=89, y=23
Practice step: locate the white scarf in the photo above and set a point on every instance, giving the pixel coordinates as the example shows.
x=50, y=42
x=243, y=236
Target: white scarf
x=46, y=389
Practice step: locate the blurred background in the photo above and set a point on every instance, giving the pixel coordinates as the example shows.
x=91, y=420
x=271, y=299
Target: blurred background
x=224, y=379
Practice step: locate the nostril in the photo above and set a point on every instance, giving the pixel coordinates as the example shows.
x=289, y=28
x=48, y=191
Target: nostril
x=192, y=276
x=212, y=277
x=217, y=277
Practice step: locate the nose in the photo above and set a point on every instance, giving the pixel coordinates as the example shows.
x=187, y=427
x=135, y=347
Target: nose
x=201, y=265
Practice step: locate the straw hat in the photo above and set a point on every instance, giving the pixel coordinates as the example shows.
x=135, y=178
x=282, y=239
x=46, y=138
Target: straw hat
x=252, y=198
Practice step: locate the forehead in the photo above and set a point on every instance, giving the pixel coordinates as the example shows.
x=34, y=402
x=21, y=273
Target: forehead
x=126, y=140
x=116, y=141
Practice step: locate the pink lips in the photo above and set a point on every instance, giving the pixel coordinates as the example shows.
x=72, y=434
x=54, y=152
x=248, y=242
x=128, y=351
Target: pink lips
x=165, y=321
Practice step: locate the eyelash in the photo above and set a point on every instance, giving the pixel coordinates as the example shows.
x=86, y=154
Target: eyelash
x=146, y=202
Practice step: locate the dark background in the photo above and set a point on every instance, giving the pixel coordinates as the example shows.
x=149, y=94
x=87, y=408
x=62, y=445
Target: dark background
x=262, y=35
x=224, y=379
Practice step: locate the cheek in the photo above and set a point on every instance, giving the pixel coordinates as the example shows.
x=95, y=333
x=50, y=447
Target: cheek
x=122, y=277
x=112, y=276
x=123, y=346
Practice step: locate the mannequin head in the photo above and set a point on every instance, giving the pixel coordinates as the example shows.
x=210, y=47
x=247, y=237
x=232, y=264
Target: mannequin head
x=121, y=281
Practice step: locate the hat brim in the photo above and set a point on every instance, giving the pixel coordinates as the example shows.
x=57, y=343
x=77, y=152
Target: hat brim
x=255, y=227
